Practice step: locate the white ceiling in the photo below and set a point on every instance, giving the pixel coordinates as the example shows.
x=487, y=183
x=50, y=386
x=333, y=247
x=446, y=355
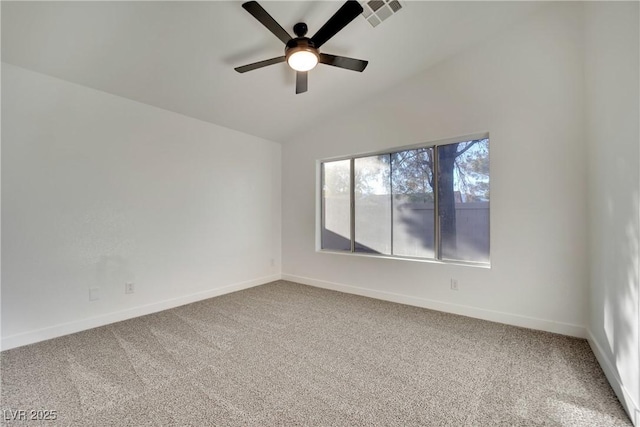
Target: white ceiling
x=180, y=56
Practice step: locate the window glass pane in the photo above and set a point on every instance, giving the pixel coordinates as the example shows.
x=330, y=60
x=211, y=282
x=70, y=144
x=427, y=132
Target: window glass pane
x=413, y=203
x=336, y=216
x=372, y=205
x=463, y=200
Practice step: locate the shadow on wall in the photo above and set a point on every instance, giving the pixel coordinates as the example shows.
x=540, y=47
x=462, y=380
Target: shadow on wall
x=621, y=310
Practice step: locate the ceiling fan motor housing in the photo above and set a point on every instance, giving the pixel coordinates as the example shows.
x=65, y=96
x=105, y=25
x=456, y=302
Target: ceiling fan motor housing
x=300, y=29
x=300, y=44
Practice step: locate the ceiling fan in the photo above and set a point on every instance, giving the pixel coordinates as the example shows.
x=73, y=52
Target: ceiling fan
x=302, y=53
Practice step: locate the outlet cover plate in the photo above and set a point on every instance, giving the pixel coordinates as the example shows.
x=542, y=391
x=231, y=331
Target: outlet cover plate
x=129, y=288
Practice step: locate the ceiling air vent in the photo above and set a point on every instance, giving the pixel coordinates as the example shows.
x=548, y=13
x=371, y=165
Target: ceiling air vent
x=376, y=11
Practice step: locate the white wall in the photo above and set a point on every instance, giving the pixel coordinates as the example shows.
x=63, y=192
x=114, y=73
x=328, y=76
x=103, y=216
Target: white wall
x=611, y=75
x=525, y=87
x=98, y=190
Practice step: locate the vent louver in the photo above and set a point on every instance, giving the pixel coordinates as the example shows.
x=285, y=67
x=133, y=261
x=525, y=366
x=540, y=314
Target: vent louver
x=376, y=11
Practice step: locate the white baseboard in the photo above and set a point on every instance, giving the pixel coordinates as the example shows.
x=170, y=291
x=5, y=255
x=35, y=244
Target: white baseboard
x=59, y=330
x=629, y=404
x=478, y=313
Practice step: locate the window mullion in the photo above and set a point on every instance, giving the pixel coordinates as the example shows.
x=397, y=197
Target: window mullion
x=352, y=199
x=323, y=207
x=436, y=207
x=391, y=200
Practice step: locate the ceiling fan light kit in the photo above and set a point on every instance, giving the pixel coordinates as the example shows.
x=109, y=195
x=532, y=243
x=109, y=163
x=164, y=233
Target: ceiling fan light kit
x=302, y=53
x=302, y=59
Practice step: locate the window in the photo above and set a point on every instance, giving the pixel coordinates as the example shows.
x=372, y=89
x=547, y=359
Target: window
x=429, y=202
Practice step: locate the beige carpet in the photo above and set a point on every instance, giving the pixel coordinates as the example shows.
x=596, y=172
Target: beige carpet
x=289, y=354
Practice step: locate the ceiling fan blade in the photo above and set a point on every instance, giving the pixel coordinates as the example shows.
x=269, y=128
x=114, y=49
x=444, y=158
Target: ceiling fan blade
x=265, y=19
x=259, y=64
x=343, y=62
x=301, y=81
x=347, y=13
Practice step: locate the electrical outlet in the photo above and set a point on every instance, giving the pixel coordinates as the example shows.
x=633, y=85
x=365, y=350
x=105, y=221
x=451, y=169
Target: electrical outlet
x=94, y=294
x=454, y=284
x=128, y=288
x=273, y=262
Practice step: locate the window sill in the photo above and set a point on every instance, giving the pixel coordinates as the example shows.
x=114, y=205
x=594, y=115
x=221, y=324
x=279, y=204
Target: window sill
x=405, y=258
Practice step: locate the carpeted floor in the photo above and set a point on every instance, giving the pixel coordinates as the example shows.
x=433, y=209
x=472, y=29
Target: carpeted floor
x=289, y=354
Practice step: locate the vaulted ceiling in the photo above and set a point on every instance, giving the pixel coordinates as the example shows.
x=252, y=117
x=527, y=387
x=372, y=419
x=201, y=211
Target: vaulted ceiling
x=180, y=56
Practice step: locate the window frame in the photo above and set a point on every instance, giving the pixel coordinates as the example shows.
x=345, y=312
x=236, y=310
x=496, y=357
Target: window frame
x=437, y=259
